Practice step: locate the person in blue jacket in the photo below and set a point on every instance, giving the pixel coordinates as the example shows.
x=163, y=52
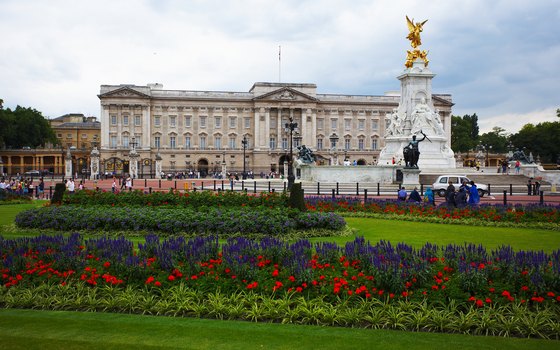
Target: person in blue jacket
x=474, y=198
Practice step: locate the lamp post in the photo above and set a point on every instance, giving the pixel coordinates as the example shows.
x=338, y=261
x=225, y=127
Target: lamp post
x=244, y=142
x=224, y=165
x=487, y=147
x=334, y=139
x=291, y=126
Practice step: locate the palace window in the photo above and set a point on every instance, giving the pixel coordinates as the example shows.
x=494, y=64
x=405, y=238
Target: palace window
x=374, y=124
x=347, y=124
x=319, y=143
x=113, y=120
x=172, y=142
x=172, y=121
x=157, y=120
x=346, y=144
x=113, y=142
x=361, y=144
x=218, y=142
x=320, y=124
x=137, y=120
x=232, y=122
x=247, y=122
x=232, y=143
x=284, y=143
x=334, y=124
x=125, y=119
x=218, y=122
x=187, y=142
x=272, y=143
x=361, y=124
x=202, y=142
x=202, y=122
x=273, y=122
x=374, y=143
x=157, y=142
x=125, y=141
x=187, y=121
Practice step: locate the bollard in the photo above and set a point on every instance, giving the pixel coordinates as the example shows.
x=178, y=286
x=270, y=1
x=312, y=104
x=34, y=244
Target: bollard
x=357, y=188
x=242, y=185
x=337, y=188
x=145, y=182
x=150, y=190
x=505, y=197
x=214, y=185
x=284, y=187
x=378, y=193
x=231, y=184
x=269, y=187
x=159, y=183
x=489, y=190
x=318, y=188
x=175, y=184
x=333, y=196
x=365, y=195
x=132, y=182
x=50, y=191
x=422, y=189
x=202, y=186
x=254, y=187
x=541, y=199
x=511, y=189
x=222, y=185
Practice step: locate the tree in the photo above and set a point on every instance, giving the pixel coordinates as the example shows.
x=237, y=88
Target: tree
x=497, y=138
x=24, y=127
x=542, y=139
x=464, y=132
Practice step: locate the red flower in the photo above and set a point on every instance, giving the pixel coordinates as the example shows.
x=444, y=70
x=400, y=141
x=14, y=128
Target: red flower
x=150, y=280
x=275, y=273
x=171, y=278
x=107, y=264
x=157, y=284
x=479, y=303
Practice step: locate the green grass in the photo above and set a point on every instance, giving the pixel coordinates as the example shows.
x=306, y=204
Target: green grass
x=32, y=329
x=417, y=234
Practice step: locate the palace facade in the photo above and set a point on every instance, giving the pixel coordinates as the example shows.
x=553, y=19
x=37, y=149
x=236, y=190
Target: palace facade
x=204, y=130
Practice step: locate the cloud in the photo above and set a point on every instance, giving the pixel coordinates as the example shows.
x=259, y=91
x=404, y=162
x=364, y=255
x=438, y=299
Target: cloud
x=496, y=58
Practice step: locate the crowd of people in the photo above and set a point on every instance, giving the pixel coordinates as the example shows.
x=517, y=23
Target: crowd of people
x=466, y=194
x=23, y=186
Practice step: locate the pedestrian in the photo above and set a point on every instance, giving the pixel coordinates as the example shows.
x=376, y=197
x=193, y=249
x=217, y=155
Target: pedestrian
x=429, y=196
x=401, y=195
x=114, y=185
x=450, y=195
x=461, y=198
x=530, y=186
x=129, y=183
x=537, y=188
x=414, y=196
x=40, y=188
x=517, y=167
x=71, y=186
x=474, y=197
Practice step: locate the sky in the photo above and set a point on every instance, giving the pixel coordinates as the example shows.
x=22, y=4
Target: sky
x=498, y=59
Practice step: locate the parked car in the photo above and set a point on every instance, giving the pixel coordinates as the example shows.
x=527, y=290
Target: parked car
x=443, y=181
x=33, y=173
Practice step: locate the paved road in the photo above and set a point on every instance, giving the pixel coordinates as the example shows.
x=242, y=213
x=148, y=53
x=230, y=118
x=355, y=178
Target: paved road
x=325, y=189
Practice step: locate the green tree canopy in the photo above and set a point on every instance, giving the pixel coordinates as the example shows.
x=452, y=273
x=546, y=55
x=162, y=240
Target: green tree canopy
x=464, y=132
x=24, y=127
x=542, y=139
x=497, y=138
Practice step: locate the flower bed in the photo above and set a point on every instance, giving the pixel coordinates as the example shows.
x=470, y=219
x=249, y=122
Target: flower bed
x=173, y=220
x=532, y=213
x=463, y=275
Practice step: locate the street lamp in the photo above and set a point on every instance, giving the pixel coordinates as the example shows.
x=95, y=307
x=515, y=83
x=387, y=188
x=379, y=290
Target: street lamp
x=291, y=126
x=244, y=143
x=487, y=147
x=334, y=139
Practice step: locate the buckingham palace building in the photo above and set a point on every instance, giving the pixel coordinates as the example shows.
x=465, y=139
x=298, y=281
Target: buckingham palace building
x=203, y=131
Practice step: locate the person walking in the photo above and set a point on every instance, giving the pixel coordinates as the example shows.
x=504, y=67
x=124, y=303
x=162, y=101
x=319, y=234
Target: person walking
x=474, y=198
x=429, y=196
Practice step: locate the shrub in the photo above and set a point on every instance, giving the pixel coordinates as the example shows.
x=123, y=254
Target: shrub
x=297, y=201
x=58, y=194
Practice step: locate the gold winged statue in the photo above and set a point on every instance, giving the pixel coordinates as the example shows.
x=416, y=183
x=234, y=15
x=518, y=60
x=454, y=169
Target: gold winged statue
x=414, y=37
x=415, y=30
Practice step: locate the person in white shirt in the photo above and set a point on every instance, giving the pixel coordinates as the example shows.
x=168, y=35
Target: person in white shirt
x=71, y=186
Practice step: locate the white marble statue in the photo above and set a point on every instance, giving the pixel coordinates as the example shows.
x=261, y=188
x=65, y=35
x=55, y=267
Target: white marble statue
x=424, y=119
x=395, y=124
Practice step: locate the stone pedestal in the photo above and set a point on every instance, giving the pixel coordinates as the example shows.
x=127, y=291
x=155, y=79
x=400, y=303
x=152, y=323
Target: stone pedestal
x=411, y=178
x=416, y=114
x=159, y=167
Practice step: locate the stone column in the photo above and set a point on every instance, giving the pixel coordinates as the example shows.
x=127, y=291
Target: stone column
x=258, y=142
x=158, y=166
x=267, y=128
x=68, y=165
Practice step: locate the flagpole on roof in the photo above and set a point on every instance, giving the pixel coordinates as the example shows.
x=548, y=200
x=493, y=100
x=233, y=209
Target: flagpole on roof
x=279, y=63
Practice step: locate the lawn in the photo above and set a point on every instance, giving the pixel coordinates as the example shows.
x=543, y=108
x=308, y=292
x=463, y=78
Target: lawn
x=32, y=329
